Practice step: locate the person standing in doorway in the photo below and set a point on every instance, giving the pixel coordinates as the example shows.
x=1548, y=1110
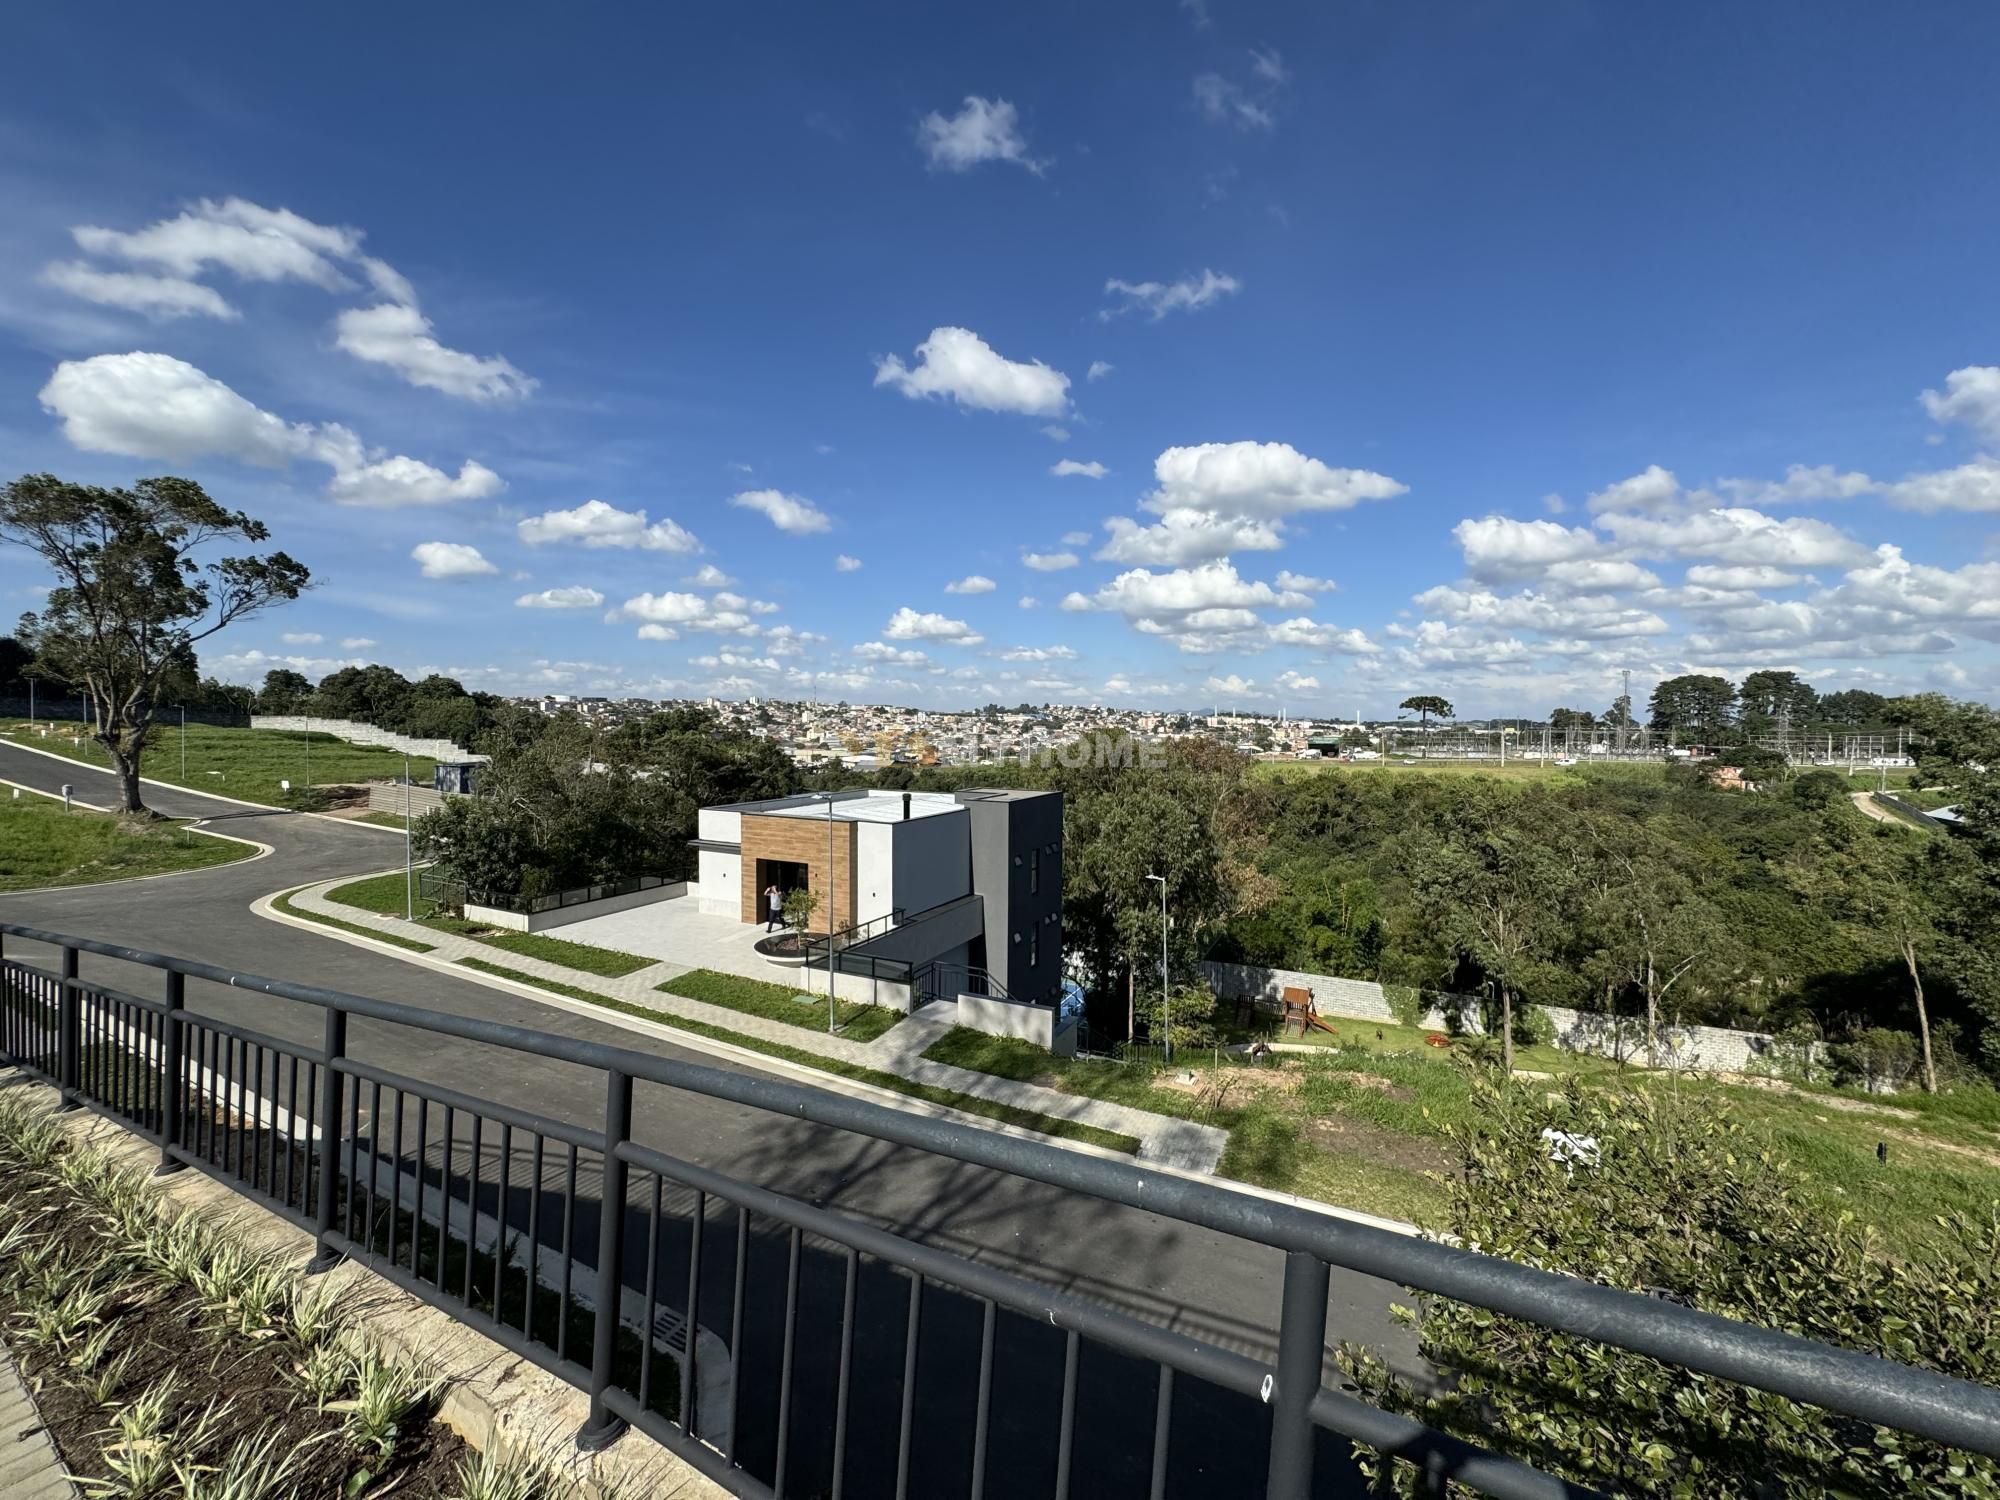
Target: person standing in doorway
x=774, y=903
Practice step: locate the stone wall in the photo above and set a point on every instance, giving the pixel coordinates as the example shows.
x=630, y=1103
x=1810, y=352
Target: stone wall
x=1703, y=1048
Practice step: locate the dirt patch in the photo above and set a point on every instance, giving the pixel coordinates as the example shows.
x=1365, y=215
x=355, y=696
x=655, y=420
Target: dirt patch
x=1338, y=1135
x=1216, y=1083
x=1822, y=1101
x=1378, y=1084
x=1953, y=1148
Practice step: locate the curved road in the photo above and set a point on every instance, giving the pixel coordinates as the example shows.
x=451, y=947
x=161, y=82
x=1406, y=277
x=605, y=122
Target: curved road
x=1204, y=1284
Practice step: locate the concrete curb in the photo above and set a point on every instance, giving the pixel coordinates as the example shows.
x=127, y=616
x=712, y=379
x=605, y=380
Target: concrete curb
x=833, y=1083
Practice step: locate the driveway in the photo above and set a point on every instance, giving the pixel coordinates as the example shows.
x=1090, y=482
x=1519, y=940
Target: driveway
x=1204, y=1284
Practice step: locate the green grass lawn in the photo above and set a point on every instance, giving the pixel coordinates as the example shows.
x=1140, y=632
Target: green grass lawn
x=41, y=845
x=386, y=895
x=1362, y=1125
x=245, y=763
x=1005, y=1114
x=778, y=1002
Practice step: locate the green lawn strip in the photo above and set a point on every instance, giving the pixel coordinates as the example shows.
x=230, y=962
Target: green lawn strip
x=1005, y=1114
x=41, y=844
x=250, y=764
x=284, y=904
x=386, y=896
x=777, y=1002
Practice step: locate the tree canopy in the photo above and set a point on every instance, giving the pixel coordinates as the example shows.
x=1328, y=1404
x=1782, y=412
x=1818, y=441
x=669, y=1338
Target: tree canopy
x=131, y=597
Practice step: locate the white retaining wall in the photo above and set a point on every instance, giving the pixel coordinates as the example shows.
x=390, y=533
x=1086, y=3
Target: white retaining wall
x=1702, y=1048
x=364, y=734
x=1028, y=1023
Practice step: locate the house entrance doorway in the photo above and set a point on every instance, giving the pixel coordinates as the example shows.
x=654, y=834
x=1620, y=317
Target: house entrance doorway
x=786, y=874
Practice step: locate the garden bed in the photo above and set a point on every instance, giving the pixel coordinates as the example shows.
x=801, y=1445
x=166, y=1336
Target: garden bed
x=163, y=1356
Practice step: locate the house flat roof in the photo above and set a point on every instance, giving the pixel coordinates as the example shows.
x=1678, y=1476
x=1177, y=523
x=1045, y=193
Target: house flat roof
x=857, y=806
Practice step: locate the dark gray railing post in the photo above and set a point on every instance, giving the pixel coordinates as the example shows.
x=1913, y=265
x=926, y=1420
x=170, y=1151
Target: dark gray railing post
x=1301, y=1363
x=328, y=1151
x=173, y=1074
x=69, y=1045
x=601, y=1428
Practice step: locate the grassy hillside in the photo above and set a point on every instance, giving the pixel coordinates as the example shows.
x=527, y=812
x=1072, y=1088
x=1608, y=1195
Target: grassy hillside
x=247, y=763
x=41, y=845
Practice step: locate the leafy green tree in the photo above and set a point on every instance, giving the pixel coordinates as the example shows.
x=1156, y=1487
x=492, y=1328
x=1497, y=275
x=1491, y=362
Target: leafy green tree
x=1562, y=719
x=284, y=692
x=1619, y=715
x=1694, y=703
x=131, y=599
x=1498, y=895
x=1770, y=696
x=373, y=694
x=1853, y=708
x=1657, y=927
x=1424, y=705
x=1678, y=1199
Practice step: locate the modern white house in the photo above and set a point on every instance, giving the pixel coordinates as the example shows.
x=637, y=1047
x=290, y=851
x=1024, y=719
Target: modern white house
x=964, y=887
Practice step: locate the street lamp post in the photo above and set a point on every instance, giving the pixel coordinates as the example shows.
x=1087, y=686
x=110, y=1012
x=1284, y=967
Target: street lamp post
x=184, y=744
x=829, y=796
x=1166, y=1015
x=409, y=869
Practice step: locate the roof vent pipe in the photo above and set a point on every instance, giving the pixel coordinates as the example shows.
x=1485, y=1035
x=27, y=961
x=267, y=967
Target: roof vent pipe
x=906, y=807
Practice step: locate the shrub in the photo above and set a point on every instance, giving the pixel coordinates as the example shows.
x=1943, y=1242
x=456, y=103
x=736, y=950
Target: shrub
x=1686, y=1204
x=1534, y=1026
x=1188, y=1016
x=1877, y=1059
x=1406, y=1003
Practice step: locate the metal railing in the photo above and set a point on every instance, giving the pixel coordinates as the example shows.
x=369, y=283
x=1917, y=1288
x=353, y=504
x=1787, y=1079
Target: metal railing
x=488, y=1218
x=448, y=892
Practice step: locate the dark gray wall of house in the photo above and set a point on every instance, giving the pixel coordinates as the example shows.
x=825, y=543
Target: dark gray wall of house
x=1017, y=872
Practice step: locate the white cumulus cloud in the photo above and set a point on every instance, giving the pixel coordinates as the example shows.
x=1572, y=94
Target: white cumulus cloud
x=790, y=513
x=1050, y=562
x=150, y=405
x=451, y=560
x=1098, y=369
x=1064, y=468
x=159, y=297
x=1970, y=396
x=400, y=337
x=578, y=596
x=910, y=625
x=596, y=524
x=957, y=364
x=972, y=583
x=983, y=130
x=1158, y=298
x=842, y=563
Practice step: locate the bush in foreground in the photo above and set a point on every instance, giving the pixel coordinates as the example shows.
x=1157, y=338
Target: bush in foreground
x=1684, y=1203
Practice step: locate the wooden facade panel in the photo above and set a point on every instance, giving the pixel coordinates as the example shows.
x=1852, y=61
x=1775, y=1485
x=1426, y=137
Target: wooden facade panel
x=801, y=841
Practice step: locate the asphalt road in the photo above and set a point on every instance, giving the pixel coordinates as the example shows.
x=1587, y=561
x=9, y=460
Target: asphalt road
x=1203, y=1284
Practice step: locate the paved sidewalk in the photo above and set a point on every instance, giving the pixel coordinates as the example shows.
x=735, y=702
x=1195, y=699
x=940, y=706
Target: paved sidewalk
x=30, y=1468
x=1162, y=1139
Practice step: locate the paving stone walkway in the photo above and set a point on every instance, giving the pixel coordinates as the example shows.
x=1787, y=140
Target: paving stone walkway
x=30, y=1468
x=1163, y=1140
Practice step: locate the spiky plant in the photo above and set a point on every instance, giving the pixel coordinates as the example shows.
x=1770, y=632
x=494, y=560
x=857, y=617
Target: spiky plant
x=499, y=1472
x=385, y=1396
x=252, y=1469
x=326, y=1372
x=109, y=1378
x=312, y=1312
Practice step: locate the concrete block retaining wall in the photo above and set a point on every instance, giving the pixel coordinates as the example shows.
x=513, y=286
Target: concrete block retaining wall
x=387, y=796
x=1703, y=1048
x=362, y=734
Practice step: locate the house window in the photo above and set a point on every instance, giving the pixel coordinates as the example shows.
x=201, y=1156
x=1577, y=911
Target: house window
x=1034, y=947
x=1034, y=872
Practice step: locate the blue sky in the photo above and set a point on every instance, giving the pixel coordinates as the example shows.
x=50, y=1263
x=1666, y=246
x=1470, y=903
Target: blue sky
x=1483, y=349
